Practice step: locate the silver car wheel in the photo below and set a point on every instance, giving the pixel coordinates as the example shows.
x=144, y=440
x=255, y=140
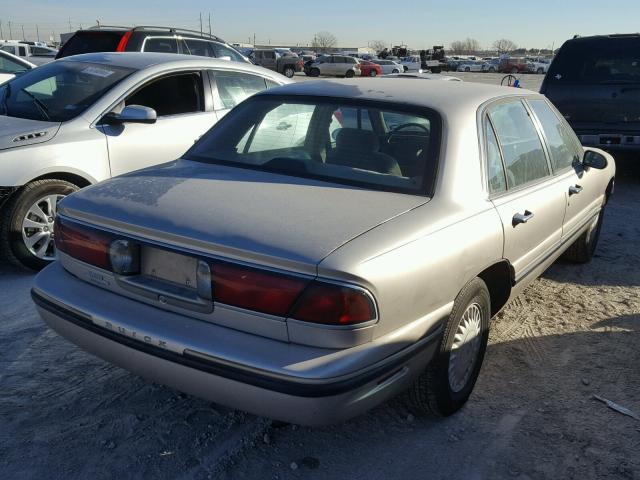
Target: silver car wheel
x=465, y=347
x=37, y=227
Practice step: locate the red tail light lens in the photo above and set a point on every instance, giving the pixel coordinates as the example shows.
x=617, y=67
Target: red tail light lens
x=254, y=289
x=83, y=243
x=123, y=41
x=332, y=304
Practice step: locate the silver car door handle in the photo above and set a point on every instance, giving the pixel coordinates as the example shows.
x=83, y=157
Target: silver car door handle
x=574, y=189
x=519, y=218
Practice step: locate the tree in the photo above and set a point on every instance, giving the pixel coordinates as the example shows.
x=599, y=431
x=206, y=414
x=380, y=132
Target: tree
x=504, y=46
x=323, y=41
x=378, y=45
x=465, y=47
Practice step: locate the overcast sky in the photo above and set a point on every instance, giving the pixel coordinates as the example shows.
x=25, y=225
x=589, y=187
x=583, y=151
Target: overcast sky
x=417, y=23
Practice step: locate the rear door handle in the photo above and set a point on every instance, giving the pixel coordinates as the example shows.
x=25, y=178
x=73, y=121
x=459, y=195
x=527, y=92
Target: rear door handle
x=574, y=189
x=519, y=218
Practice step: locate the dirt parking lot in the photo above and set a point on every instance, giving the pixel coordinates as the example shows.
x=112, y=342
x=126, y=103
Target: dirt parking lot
x=573, y=333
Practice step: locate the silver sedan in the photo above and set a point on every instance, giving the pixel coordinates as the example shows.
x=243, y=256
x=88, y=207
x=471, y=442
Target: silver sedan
x=326, y=246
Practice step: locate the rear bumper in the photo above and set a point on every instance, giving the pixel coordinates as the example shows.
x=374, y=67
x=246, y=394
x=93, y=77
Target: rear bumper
x=296, y=399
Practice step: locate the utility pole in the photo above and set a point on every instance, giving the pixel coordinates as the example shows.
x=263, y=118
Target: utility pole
x=23, y=37
x=209, y=23
x=1, y=33
x=70, y=28
x=254, y=37
x=10, y=31
x=37, y=32
x=200, y=23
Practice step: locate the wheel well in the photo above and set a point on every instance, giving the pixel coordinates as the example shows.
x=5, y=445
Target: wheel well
x=67, y=177
x=609, y=190
x=497, y=277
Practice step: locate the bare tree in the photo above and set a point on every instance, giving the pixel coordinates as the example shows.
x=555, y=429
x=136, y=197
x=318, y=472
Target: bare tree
x=504, y=46
x=465, y=47
x=323, y=41
x=378, y=45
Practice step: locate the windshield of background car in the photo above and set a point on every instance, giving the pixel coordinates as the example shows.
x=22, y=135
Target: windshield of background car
x=597, y=61
x=374, y=145
x=58, y=91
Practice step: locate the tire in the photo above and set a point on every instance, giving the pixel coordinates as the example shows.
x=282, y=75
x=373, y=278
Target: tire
x=395, y=70
x=289, y=71
x=582, y=250
x=406, y=69
x=373, y=73
x=433, y=393
x=467, y=69
x=492, y=70
x=514, y=70
x=16, y=211
x=314, y=72
x=349, y=74
x=540, y=71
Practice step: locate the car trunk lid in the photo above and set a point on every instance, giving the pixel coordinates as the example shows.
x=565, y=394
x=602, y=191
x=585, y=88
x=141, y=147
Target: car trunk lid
x=277, y=220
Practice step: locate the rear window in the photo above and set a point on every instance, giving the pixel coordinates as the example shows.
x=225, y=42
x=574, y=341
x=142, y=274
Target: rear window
x=376, y=146
x=597, y=60
x=89, y=42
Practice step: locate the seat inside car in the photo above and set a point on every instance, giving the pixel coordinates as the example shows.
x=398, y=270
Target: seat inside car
x=360, y=149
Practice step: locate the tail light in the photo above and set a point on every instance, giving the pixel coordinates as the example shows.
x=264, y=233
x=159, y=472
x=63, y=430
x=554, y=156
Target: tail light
x=332, y=304
x=123, y=41
x=84, y=243
x=255, y=289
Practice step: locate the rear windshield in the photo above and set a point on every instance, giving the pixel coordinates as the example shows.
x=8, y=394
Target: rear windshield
x=597, y=61
x=89, y=42
x=377, y=146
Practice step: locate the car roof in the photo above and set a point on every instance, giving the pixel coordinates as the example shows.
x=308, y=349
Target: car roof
x=441, y=96
x=142, y=60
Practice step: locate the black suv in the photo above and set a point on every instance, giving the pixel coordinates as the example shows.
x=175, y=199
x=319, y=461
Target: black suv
x=595, y=83
x=148, y=39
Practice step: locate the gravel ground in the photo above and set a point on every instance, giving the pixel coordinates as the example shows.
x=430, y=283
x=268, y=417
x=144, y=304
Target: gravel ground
x=572, y=334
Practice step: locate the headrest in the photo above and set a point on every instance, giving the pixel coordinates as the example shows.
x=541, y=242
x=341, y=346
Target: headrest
x=355, y=139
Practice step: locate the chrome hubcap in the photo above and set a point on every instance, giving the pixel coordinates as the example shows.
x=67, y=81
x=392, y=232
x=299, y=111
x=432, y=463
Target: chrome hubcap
x=465, y=348
x=37, y=227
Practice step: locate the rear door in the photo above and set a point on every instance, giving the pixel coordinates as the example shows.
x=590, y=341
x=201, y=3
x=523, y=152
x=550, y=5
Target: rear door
x=583, y=192
x=530, y=202
x=183, y=103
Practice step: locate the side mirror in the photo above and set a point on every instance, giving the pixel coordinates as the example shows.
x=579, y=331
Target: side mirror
x=132, y=114
x=594, y=159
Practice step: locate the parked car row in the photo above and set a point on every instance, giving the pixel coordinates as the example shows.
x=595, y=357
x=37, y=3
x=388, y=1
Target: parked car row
x=29, y=51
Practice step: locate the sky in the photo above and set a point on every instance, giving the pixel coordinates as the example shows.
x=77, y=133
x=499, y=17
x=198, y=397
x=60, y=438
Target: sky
x=416, y=23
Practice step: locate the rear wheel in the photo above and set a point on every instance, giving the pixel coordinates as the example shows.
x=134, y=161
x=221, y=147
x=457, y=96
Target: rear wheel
x=492, y=69
x=467, y=69
x=373, y=73
x=27, y=222
x=540, y=71
x=445, y=385
x=514, y=70
x=289, y=71
x=395, y=70
x=349, y=74
x=314, y=72
x=582, y=250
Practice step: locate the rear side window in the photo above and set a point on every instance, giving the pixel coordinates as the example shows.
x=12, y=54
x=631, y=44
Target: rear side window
x=561, y=144
x=172, y=95
x=524, y=158
x=89, y=42
x=234, y=87
x=495, y=168
x=22, y=51
x=197, y=47
x=161, y=45
x=597, y=60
